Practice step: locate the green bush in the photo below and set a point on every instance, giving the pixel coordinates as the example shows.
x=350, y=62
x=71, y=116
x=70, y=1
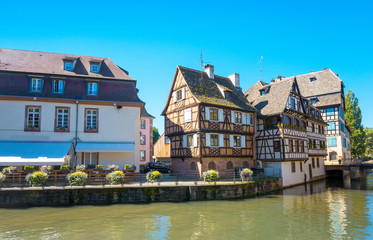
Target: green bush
x=2, y=177
x=153, y=176
x=36, y=178
x=115, y=177
x=29, y=168
x=65, y=167
x=9, y=169
x=77, y=178
x=210, y=175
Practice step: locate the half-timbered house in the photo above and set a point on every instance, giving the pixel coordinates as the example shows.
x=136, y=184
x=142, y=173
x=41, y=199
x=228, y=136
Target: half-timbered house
x=209, y=122
x=290, y=138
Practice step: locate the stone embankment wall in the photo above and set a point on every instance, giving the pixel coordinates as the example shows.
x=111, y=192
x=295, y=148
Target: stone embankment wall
x=92, y=195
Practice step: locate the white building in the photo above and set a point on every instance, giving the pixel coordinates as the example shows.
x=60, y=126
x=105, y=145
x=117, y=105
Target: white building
x=66, y=109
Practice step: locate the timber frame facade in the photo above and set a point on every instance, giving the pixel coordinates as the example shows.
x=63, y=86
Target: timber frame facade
x=209, y=123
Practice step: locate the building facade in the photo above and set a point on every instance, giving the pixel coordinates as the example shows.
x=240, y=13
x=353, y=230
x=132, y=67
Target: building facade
x=146, y=138
x=162, y=149
x=209, y=123
x=67, y=109
x=291, y=137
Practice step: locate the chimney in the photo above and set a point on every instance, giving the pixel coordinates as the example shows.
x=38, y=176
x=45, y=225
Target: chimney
x=273, y=80
x=209, y=69
x=235, y=79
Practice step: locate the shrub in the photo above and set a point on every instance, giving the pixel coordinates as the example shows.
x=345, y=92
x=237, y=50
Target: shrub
x=113, y=167
x=36, y=178
x=2, y=177
x=98, y=167
x=77, y=178
x=127, y=166
x=153, y=176
x=65, y=167
x=80, y=167
x=210, y=175
x=46, y=168
x=115, y=177
x=29, y=168
x=246, y=174
x=9, y=169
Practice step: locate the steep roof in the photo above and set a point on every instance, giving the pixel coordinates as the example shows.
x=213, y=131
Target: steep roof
x=206, y=90
x=13, y=60
x=253, y=92
x=274, y=101
x=328, y=100
x=145, y=113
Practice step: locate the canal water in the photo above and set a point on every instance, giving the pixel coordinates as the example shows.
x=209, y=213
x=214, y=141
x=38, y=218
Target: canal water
x=322, y=210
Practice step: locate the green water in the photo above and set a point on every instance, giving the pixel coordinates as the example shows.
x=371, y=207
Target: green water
x=322, y=210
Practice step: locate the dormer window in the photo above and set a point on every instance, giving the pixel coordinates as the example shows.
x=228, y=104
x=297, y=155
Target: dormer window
x=68, y=65
x=92, y=89
x=312, y=79
x=264, y=91
x=58, y=86
x=36, y=84
x=95, y=67
x=313, y=100
x=227, y=95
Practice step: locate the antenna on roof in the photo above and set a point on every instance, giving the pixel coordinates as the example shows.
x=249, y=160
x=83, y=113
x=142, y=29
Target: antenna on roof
x=201, y=63
x=260, y=67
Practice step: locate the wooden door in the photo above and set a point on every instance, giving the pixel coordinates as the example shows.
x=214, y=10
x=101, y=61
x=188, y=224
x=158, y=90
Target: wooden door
x=310, y=170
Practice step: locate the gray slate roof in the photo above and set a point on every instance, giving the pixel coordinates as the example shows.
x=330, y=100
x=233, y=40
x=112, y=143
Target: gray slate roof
x=52, y=63
x=145, y=113
x=207, y=91
x=328, y=100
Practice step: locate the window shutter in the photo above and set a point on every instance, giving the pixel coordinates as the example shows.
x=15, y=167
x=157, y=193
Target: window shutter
x=220, y=115
x=221, y=140
x=243, y=142
x=208, y=143
x=244, y=118
x=187, y=115
x=231, y=140
x=174, y=96
x=207, y=113
x=195, y=140
x=232, y=117
x=184, y=141
x=183, y=93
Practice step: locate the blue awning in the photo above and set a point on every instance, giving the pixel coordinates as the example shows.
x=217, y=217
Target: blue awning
x=105, y=147
x=20, y=153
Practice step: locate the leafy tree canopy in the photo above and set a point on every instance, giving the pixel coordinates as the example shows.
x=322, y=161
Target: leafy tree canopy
x=155, y=134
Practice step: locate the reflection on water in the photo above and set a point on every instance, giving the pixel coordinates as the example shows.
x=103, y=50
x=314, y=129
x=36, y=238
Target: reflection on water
x=322, y=210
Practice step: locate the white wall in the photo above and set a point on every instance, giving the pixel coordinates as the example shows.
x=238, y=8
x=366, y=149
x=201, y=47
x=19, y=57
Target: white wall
x=291, y=178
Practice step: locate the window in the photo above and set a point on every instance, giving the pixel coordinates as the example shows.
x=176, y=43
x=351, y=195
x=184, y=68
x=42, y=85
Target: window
x=36, y=84
x=193, y=166
x=229, y=165
x=313, y=101
x=277, y=146
x=189, y=140
x=245, y=164
x=143, y=123
x=33, y=118
x=166, y=140
x=212, y=166
x=286, y=120
x=214, y=114
x=313, y=127
x=330, y=112
x=333, y=156
x=342, y=126
x=188, y=115
x=302, y=146
x=58, y=86
x=226, y=95
x=214, y=140
x=312, y=79
x=296, y=145
x=95, y=67
x=301, y=166
x=313, y=163
x=293, y=167
x=293, y=103
x=179, y=94
x=68, y=65
x=262, y=92
x=62, y=120
x=344, y=142
x=291, y=149
x=90, y=159
x=91, y=120
x=142, y=139
x=318, y=162
x=331, y=126
x=236, y=141
x=237, y=117
x=142, y=155
x=295, y=122
x=92, y=89
x=341, y=114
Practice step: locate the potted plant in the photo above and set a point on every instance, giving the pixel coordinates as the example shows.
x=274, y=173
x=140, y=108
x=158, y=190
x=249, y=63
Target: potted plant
x=112, y=167
x=29, y=168
x=2, y=177
x=115, y=177
x=246, y=174
x=153, y=176
x=9, y=170
x=46, y=168
x=77, y=178
x=61, y=129
x=80, y=167
x=210, y=176
x=127, y=166
x=98, y=167
x=36, y=178
x=65, y=168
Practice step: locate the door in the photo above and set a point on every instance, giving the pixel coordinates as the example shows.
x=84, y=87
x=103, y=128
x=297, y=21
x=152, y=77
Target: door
x=310, y=170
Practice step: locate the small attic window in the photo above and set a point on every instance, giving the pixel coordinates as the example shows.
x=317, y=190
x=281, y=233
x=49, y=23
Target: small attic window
x=264, y=91
x=312, y=79
x=68, y=65
x=227, y=94
x=95, y=67
x=313, y=100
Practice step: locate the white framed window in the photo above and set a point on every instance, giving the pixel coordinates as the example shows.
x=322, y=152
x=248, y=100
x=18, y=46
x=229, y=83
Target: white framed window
x=95, y=67
x=187, y=115
x=143, y=123
x=92, y=89
x=142, y=155
x=90, y=159
x=237, y=117
x=179, y=95
x=62, y=119
x=33, y=118
x=36, y=84
x=58, y=86
x=68, y=65
x=166, y=140
x=236, y=141
x=142, y=139
x=91, y=120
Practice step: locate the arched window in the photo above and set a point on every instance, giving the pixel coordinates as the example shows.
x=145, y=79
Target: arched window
x=245, y=164
x=212, y=166
x=295, y=122
x=229, y=165
x=193, y=166
x=286, y=120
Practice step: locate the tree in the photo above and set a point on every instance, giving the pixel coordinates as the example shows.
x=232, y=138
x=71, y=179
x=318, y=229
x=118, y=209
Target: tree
x=368, y=142
x=353, y=120
x=155, y=134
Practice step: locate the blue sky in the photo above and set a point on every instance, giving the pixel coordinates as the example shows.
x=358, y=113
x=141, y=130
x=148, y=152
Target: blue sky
x=150, y=38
